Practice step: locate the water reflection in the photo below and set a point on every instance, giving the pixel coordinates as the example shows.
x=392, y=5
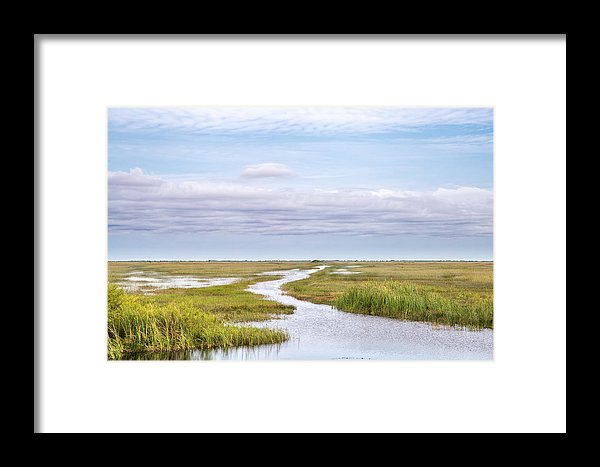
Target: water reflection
x=258, y=352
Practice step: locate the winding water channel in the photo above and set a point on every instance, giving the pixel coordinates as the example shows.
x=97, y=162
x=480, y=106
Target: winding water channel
x=321, y=332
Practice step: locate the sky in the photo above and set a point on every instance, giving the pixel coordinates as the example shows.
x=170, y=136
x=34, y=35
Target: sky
x=262, y=183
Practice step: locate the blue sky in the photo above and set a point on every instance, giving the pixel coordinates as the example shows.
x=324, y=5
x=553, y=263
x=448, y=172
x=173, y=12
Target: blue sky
x=300, y=183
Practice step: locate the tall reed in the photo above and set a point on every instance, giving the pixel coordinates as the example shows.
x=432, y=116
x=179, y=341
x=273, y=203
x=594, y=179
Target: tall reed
x=406, y=300
x=136, y=325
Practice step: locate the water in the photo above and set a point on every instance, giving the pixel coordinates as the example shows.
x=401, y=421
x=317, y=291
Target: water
x=322, y=332
x=138, y=281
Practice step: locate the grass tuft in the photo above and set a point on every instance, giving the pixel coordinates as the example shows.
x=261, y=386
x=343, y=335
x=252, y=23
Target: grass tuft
x=145, y=324
x=406, y=300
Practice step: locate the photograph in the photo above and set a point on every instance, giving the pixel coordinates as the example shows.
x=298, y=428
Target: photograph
x=300, y=233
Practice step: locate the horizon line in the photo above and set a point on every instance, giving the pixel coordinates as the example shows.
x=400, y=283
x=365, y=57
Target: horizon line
x=299, y=260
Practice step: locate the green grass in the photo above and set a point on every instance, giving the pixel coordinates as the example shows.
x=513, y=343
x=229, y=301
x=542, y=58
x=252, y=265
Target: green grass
x=164, y=320
x=230, y=303
x=452, y=293
x=405, y=300
x=117, y=270
x=142, y=324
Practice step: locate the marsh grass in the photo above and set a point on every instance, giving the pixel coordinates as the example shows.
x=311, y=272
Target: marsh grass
x=142, y=324
x=117, y=270
x=449, y=293
x=168, y=320
x=231, y=303
x=405, y=300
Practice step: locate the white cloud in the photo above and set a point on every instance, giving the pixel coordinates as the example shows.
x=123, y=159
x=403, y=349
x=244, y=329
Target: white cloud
x=267, y=170
x=293, y=120
x=138, y=202
x=135, y=177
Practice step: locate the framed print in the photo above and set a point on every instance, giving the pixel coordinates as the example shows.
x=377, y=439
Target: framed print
x=366, y=234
